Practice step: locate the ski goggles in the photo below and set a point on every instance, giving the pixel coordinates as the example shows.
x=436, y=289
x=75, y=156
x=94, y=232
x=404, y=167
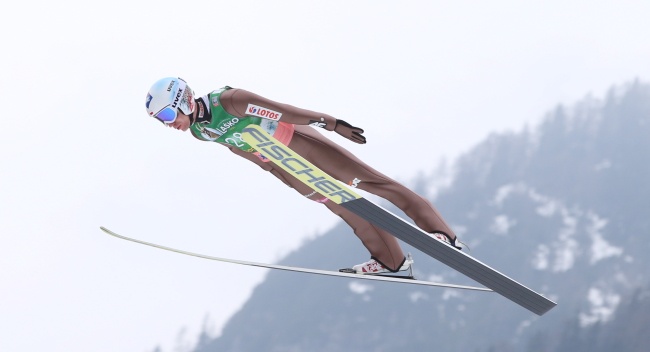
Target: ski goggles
x=167, y=114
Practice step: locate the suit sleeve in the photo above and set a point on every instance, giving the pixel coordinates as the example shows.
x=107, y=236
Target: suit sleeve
x=238, y=101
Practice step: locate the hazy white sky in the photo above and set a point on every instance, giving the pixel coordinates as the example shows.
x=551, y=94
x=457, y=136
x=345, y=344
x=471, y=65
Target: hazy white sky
x=77, y=149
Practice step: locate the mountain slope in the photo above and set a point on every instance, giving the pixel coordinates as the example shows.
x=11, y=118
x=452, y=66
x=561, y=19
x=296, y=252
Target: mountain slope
x=561, y=208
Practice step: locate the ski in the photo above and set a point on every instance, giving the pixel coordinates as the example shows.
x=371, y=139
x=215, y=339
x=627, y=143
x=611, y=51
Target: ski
x=335, y=191
x=385, y=278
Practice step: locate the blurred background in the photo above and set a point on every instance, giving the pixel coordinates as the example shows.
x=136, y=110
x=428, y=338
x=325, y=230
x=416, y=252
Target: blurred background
x=77, y=150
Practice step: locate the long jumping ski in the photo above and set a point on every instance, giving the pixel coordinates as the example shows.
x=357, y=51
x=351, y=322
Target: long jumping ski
x=335, y=191
x=301, y=270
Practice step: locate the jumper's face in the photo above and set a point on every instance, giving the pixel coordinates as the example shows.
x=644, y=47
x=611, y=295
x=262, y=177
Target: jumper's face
x=181, y=123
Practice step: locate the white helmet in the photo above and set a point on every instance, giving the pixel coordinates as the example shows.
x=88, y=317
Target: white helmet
x=168, y=95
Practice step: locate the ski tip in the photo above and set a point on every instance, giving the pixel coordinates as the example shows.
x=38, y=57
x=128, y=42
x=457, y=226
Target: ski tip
x=107, y=231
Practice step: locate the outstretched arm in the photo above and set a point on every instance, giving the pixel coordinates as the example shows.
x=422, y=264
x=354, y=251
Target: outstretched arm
x=240, y=102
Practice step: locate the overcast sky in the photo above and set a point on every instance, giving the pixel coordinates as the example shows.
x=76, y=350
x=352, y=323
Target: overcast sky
x=77, y=150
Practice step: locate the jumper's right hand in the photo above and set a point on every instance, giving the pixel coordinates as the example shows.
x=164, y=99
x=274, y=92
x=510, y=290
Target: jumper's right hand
x=350, y=132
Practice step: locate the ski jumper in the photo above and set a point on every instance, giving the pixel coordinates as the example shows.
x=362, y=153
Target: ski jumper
x=222, y=114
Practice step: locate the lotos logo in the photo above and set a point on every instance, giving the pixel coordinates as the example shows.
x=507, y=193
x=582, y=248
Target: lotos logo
x=255, y=110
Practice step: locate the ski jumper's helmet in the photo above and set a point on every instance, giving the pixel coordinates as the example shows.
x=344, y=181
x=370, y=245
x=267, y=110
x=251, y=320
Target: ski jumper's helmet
x=168, y=95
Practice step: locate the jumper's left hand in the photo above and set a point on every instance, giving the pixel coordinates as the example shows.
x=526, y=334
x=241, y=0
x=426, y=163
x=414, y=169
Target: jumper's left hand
x=350, y=132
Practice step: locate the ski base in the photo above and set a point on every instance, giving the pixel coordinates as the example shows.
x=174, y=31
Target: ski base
x=302, y=270
x=352, y=271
